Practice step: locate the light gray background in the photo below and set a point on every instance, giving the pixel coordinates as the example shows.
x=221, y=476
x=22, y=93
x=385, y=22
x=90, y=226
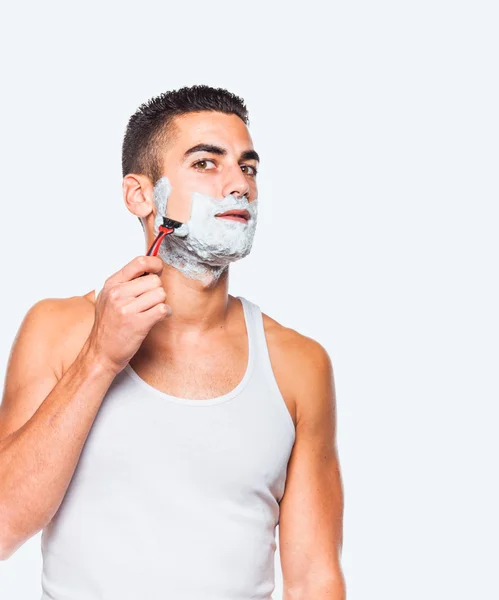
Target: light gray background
x=377, y=124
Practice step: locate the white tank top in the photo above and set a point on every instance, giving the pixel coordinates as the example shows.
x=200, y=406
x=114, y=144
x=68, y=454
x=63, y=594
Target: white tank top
x=175, y=498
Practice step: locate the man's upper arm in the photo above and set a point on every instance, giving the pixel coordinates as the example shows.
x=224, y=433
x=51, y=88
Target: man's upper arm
x=311, y=510
x=31, y=369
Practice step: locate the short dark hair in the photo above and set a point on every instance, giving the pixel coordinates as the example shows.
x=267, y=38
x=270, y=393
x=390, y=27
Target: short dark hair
x=151, y=126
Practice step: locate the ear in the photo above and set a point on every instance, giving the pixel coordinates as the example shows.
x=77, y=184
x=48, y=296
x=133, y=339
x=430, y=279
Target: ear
x=138, y=194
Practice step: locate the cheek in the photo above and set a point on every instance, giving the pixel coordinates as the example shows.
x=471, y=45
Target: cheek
x=186, y=182
x=190, y=177
x=179, y=203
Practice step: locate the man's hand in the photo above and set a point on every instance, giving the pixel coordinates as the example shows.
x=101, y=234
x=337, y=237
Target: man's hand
x=127, y=307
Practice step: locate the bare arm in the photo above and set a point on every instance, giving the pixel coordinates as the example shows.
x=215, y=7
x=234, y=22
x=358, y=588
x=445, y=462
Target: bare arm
x=45, y=419
x=311, y=518
x=38, y=459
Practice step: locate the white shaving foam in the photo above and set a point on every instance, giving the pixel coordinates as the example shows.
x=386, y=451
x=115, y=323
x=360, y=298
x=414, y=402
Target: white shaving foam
x=204, y=247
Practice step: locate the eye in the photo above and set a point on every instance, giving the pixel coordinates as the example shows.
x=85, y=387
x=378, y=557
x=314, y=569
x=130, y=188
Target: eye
x=253, y=172
x=202, y=162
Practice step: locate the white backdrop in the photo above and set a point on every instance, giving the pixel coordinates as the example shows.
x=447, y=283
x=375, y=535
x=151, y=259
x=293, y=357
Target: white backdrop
x=377, y=124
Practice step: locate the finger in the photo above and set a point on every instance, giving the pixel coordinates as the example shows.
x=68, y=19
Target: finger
x=151, y=264
x=140, y=285
x=161, y=310
x=146, y=301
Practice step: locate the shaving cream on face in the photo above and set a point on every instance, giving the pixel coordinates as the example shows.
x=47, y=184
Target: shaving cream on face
x=204, y=247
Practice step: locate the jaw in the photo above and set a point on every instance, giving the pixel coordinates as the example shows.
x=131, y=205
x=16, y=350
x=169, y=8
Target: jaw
x=207, y=244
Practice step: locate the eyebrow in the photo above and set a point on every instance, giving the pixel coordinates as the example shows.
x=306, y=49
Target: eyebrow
x=246, y=155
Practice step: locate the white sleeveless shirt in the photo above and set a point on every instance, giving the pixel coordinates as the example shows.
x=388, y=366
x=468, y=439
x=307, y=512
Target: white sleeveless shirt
x=175, y=498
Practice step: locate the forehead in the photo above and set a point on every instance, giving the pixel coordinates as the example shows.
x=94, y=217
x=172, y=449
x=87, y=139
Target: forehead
x=210, y=127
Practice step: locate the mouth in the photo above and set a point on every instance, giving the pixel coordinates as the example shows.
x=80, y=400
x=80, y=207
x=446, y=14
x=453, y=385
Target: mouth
x=235, y=215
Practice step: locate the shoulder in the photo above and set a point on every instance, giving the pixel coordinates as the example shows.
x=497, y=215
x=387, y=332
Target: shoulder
x=302, y=367
x=297, y=346
x=52, y=315
x=60, y=326
x=45, y=341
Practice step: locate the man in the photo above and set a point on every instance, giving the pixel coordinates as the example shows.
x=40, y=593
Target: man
x=160, y=431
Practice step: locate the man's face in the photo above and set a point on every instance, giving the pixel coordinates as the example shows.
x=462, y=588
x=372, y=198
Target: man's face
x=208, y=183
x=211, y=153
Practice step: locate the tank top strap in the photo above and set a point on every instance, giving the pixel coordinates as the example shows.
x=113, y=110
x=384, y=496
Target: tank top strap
x=251, y=329
x=261, y=357
x=256, y=334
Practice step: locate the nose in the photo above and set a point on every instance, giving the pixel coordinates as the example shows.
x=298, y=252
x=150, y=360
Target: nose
x=237, y=185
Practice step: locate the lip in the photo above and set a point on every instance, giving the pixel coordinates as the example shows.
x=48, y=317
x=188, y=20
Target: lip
x=235, y=215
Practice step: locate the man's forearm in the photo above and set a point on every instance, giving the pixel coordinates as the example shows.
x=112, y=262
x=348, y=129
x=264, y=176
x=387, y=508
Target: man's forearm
x=38, y=460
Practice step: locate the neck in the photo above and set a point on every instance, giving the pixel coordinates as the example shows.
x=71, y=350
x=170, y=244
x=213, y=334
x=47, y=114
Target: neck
x=197, y=308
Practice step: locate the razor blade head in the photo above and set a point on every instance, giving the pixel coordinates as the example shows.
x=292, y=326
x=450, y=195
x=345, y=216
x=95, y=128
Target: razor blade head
x=171, y=223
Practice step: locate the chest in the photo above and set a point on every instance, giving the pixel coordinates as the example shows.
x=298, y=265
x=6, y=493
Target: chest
x=200, y=371
x=227, y=451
